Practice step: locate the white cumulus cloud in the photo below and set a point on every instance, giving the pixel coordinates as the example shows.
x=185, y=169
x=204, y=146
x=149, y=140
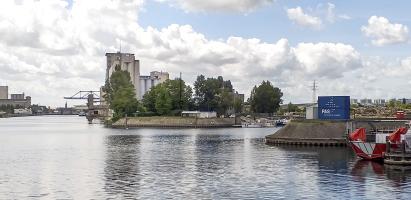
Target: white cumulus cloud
x=382, y=32
x=49, y=49
x=327, y=59
x=298, y=16
x=219, y=5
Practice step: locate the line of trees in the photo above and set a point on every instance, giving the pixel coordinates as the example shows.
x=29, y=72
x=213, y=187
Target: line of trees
x=210, y=94
x=169, y=97
x=173, y=96
x=215, y=94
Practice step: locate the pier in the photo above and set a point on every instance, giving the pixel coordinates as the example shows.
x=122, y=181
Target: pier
x=400, y=156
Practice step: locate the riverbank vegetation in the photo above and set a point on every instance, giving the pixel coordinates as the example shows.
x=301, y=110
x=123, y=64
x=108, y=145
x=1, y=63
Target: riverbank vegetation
x=210, y=94
x=171, y=97
x=168, y=98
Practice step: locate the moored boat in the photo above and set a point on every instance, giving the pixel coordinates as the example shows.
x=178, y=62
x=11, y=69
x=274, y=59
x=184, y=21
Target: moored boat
x=373, y=145
x=281, y=122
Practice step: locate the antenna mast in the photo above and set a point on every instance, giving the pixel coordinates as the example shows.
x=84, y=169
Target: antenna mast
x=180, y=84
x=314, y=88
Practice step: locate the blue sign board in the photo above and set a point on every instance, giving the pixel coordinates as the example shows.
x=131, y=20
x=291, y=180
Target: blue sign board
x=334, y=107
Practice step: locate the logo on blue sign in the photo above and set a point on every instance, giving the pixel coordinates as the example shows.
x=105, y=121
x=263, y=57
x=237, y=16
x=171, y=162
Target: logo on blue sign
x=334, y=107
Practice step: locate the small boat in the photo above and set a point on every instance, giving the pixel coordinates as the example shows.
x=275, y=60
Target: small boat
x=281, y=122
x=372, y=146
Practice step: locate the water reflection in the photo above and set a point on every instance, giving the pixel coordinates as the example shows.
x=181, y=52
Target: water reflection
x=121, y=170
x=363, y=169
x=67, y=159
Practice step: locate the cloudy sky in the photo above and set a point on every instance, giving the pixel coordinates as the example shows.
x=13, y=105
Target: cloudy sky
x=53, y=48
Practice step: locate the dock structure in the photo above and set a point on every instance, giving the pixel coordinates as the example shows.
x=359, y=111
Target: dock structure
x=399, y=156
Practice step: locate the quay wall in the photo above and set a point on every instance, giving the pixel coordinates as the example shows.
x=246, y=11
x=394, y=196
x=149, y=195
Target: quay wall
x=310, y=132
x=174, y=122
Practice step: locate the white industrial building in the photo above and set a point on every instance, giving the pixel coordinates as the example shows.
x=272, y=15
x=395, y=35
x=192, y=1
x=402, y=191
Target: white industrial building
x=127, y=62
x=311, y=112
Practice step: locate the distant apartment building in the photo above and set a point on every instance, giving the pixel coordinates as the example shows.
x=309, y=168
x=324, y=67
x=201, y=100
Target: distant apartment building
x=366, y=101
x=380, y=101
x=17, y=100
x=128, y=62
x=354, y=101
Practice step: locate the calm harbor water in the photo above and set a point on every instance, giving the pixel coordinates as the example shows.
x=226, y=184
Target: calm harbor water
x=65, y=158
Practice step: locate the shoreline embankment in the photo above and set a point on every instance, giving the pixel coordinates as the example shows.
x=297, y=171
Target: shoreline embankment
x=310, y=132
x=175, y=122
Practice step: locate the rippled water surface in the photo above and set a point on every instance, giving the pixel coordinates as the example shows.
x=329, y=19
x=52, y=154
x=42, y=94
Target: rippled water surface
x=65, y=158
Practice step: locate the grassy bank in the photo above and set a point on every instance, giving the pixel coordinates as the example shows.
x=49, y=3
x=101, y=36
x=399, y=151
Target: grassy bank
x=173, y=122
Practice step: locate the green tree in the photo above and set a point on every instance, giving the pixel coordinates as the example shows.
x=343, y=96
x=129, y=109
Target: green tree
x=392, y=103
x=226, y=101
x=238, y=106
x=120, y=94
x=214, y=94
x=173, y=88
x=149, y=99
x=163, y=101
x=265, y=98
x=176, y=88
